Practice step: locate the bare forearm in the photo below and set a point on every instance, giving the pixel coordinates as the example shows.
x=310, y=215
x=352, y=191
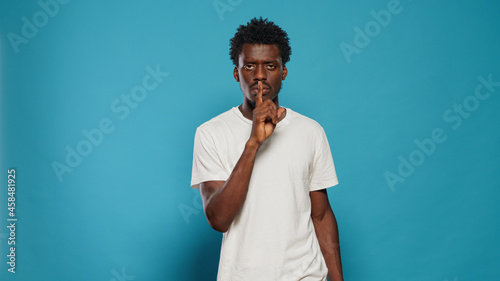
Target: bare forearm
x=328, y=238
x=225, y=203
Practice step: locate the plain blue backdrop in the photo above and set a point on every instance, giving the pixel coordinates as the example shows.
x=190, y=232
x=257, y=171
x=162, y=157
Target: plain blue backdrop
x=401, y=89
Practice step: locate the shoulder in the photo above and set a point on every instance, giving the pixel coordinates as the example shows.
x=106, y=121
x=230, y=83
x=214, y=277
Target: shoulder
x=305, y=123
x=219, y=122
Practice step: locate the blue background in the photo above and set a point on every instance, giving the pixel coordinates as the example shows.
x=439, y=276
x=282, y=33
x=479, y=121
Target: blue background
x=126, y=212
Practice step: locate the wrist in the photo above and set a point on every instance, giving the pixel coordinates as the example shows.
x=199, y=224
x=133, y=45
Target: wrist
x=252, y=144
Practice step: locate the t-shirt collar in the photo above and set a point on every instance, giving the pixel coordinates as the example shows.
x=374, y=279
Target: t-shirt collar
x=282, y=123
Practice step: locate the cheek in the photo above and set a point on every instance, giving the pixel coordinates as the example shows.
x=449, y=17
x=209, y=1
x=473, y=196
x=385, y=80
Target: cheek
x=243, y=86
x=277, y=80
x=242, y=77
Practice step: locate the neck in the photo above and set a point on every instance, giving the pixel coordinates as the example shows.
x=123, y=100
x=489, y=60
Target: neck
x=248, y=106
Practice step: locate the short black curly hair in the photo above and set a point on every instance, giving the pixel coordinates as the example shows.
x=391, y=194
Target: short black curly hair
x=260, y=31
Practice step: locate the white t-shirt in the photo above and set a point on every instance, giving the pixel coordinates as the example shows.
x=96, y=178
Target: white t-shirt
x=273, y=237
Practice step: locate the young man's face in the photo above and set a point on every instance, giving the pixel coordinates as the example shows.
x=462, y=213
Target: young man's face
x=260, y=62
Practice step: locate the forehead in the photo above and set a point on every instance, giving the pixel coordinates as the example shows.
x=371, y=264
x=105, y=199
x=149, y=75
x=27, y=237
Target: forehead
x=260, y=52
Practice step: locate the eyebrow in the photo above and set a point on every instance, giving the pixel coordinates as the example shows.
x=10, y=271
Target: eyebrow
x=266, y=62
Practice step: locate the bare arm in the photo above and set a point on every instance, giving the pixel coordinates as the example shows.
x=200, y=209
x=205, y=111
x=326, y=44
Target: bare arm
x=326, y=229
x=222, y=201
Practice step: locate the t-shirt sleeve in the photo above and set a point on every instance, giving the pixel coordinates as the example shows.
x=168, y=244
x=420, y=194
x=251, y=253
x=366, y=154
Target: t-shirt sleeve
x=323, y=171
x=207, y=165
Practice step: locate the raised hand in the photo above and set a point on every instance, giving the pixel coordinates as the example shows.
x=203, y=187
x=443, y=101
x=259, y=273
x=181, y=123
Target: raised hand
x=265, y=117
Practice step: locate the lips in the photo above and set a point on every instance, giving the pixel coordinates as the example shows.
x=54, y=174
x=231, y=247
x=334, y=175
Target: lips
x=255, y=91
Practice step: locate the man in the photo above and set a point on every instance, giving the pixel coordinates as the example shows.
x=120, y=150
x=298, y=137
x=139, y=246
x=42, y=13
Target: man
x=262, y=171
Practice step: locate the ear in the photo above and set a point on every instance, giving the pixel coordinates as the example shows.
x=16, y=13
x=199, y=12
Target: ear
x=235, y=74
x=285, y=72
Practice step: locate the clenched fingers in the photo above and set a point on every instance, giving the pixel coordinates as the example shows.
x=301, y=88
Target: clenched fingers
x=267, y=111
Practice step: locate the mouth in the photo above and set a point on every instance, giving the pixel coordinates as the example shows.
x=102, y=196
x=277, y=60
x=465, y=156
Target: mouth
x=255, y=91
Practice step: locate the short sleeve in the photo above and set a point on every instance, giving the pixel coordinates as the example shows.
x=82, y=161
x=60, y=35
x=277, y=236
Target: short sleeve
x=323, y=173
x=207, y=164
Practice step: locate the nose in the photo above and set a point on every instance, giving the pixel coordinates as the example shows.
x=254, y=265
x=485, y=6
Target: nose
x=260, y=73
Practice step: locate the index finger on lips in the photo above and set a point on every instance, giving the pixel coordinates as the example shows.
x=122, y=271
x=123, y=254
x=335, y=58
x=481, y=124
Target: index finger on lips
x=258, y=100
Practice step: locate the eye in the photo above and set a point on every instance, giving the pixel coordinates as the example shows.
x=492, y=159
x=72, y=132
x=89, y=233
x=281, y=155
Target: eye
x=271, y=66
x=248, y=66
